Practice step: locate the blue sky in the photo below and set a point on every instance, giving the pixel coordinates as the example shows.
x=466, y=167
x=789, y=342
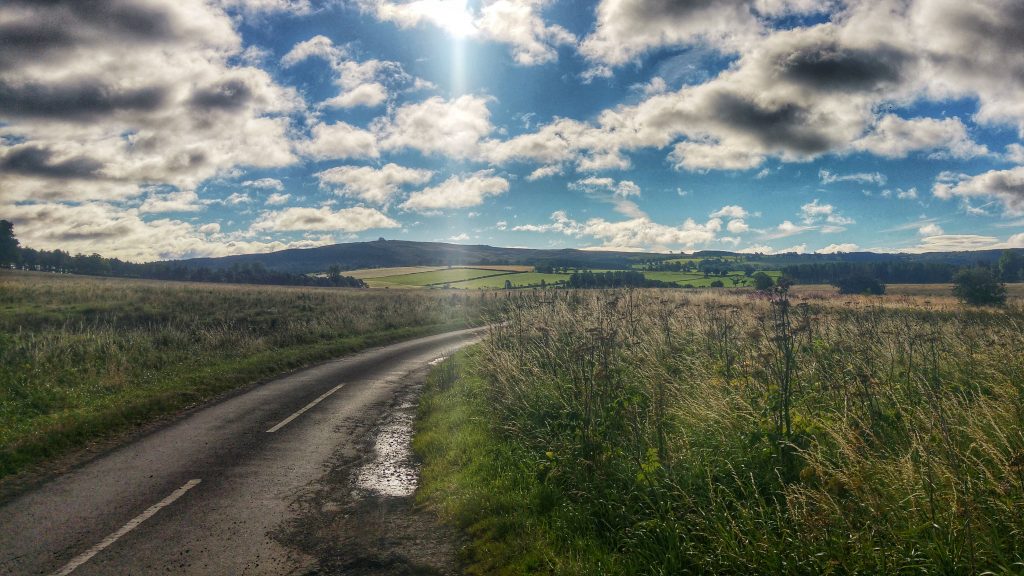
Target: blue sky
x=154, y=129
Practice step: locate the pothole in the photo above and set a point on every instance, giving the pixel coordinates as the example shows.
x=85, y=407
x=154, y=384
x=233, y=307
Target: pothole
x=392, y=472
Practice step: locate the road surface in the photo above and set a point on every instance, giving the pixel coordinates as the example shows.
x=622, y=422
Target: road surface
x=254, y=484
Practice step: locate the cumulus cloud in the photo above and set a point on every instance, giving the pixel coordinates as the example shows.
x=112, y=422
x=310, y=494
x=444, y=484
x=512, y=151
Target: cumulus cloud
x=457, y=192
x=355, y=219
x=373, y=185
x=815, y=213
x=837, y=248
x=930, y=229
x=265, y=183
x=632, y=234
x=339, y=141
x=1004, y=186
x=99, y=227
x=738, y=226
x=451, y=128
x=894, y=137
x=730, y=211
x=177, y=201
x=827, y=177
x=517, y=23
x=96, y=121
x=359, y=83
x=277, y=199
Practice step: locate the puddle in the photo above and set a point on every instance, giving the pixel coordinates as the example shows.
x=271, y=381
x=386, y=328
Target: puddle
x=437, y=361
x=392, y=471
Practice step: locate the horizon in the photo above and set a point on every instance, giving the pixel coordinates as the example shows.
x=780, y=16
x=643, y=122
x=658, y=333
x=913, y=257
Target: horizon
x=245, y=126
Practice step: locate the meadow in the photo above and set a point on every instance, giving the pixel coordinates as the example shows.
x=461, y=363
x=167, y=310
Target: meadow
x=721, y=432
x=494, y=277
x=82, y=358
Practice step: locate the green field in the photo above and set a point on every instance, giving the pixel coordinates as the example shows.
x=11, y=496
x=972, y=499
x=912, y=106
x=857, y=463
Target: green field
x=436, y=277
x=487, y=278
x=520, y=280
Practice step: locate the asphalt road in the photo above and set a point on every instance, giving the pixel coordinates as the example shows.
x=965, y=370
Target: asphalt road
x=212, y=492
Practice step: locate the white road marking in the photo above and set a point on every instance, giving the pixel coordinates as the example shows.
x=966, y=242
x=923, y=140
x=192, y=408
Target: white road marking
x=304, y=408
x=131, y=525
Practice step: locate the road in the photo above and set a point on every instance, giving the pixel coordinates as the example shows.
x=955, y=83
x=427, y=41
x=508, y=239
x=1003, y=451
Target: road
x=236, y=487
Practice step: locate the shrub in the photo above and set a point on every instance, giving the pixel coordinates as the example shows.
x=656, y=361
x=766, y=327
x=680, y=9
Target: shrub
x=762, y=281
x=717, y=284
x=860, y=284
x=979, y=287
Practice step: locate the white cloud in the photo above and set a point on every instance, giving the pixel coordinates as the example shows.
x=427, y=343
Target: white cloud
x=1014, y=154
x=359, y=83
x=837, y=248
x=101, y=109
x=237, y=198
x=909, y=194
x=814, y=213
x=459, y=237
x=452, y=128
x=1005, y=186
x=339, y=141
x=517, y=23
x=457, y=192
x=737, y=226
x=930, y=229
x=828, y=177
x=355, y=219
x=265, y=183
x=96, y=227
x=181, y=201
x=632, y=234
x=895, y=137
x=374, y=185
x=277, y=199
x=730, y=211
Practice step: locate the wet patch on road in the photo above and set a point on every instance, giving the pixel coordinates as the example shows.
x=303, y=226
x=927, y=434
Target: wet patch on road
x=363, y=518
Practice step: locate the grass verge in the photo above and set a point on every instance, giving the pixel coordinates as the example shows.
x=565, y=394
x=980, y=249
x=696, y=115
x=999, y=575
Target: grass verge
x=180, y=387
x=489, y=487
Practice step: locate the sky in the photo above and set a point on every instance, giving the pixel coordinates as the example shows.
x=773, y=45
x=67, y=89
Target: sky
x=163, y=129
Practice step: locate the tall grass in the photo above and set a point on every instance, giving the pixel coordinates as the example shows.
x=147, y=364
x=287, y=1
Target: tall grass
x=80, y=357
x=696, y=433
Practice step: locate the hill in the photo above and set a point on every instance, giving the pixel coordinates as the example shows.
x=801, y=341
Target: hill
x=395, y=253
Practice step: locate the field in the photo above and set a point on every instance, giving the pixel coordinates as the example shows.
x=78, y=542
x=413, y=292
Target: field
x=668, y=432
x=520, y=280
x=494, y=277
x=435, y=277
x=82, y=357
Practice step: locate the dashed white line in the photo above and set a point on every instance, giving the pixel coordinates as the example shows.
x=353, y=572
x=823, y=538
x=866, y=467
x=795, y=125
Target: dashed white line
x=131, y=525
x=284, y=422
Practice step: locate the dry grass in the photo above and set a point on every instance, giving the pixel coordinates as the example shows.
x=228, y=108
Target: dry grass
x=667, y=432
x=83, y=356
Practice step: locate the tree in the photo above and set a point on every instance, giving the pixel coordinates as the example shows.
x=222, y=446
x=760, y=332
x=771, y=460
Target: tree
x=717, y=284
x=1011, y=266
x=860, y=284
x=762, y=281
x=979, y=287
x=8, y=243
x=508, y=284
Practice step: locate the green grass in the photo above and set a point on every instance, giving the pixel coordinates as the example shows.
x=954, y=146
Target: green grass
x=519, y=280
x=489, y=487
x=82, y=358
x=675, y=432
x=437, y=277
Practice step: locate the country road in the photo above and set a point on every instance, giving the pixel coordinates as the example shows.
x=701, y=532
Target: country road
x=253, y=484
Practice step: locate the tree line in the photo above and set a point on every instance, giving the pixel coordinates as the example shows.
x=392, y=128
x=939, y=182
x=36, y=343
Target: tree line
x=13, y=254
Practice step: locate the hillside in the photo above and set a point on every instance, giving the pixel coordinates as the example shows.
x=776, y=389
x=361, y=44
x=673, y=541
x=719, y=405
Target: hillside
x=394, y=253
